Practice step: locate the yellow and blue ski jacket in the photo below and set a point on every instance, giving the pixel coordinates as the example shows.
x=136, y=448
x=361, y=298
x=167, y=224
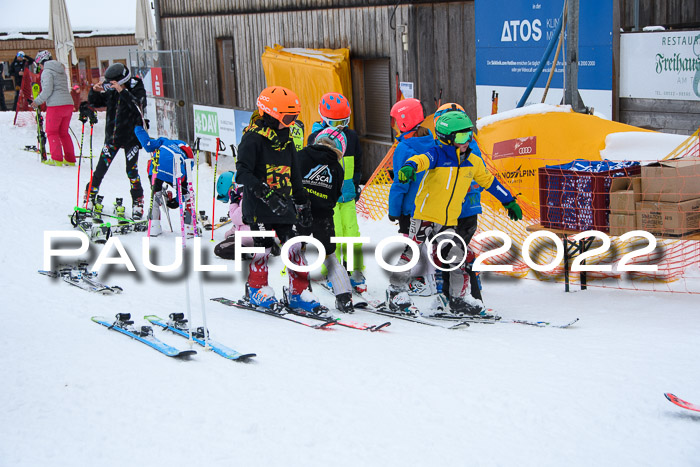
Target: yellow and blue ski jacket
x=447, y=180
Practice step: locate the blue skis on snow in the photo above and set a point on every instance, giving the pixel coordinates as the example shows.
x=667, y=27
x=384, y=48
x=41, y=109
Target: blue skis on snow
x=182, y=330
x=145, y=335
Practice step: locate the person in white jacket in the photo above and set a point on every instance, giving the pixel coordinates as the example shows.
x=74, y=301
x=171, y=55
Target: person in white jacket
x=59, y=109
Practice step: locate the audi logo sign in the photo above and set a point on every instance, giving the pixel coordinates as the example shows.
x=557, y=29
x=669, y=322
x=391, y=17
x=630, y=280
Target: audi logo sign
x=526, y=146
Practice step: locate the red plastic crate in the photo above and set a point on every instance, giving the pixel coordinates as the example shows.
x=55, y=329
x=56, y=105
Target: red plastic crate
x=574, y=200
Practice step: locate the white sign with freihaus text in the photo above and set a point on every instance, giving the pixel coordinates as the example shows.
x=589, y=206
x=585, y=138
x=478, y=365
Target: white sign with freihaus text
x=660, y=65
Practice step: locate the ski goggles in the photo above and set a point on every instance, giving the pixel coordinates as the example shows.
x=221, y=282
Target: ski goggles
x=107, y=86
x=288, y=119
x=462, y=137
x=338, y=123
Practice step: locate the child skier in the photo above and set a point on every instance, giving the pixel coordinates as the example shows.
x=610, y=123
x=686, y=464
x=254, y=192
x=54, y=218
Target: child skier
x=125, y=99
x=274, y=195
x=171, y=153
x=228, y=191
x=413, y=139
x=439, y=200
x=320, y=163
x=334, y=109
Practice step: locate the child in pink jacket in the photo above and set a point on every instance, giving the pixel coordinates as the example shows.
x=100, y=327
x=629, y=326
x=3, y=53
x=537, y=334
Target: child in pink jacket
x=229, y=191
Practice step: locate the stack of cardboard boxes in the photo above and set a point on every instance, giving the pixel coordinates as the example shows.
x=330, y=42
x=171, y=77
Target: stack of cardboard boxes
x=665, y=200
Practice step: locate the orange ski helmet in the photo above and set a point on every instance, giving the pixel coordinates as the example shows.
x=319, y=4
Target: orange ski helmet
x=334, y=109
x=408, y=114
x=444, y=108
x=280, y=103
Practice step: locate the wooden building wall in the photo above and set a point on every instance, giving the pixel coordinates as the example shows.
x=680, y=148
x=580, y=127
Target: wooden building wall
x=667, y=13
x=440, y=54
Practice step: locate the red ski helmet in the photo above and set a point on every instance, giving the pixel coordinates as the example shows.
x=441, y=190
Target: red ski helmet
x=408, y=114
x=334, y=109
x=279, y=103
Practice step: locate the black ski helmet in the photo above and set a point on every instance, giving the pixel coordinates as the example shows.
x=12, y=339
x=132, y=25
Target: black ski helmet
x=118, y=72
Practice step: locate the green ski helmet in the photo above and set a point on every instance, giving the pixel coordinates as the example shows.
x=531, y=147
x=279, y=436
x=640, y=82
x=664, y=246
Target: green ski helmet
x=454, y=127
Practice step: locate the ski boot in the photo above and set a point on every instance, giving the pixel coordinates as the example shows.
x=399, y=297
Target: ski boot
x=422, y=286
x=358, y=282
x=137, y=208
x=263, y=297
x=306, y=302
x=89, y=199
x=97, y=208
x=461, y=306
x=119, y=208
x=343, y=302
x=399, y=301
x=156, y=228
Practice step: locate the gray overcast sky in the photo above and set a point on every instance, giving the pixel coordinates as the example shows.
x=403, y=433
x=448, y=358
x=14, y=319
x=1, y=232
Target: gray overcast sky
x=33, y=15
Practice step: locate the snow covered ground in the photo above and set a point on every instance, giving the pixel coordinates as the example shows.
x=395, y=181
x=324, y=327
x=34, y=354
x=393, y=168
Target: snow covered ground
x=77, y=394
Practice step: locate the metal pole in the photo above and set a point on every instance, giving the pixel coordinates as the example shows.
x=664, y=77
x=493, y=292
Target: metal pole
x=571, y=95
x=159, y=32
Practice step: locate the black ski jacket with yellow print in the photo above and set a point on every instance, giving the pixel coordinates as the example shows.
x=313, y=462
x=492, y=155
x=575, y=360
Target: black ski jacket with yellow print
x=267, y=155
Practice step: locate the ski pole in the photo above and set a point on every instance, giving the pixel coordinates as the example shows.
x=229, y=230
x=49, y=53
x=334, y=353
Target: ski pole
x=89, y=190
x=156, y=156
x=204, y=313
x=180, y=199
x=219, y=146
x=196, y=197
x=80, y=162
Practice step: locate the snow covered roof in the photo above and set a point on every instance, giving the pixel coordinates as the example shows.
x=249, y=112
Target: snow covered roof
x=77, y=32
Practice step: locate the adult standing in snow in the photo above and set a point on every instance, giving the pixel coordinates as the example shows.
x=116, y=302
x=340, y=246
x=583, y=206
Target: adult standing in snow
x=17, y=72
x=439, y=201
x=59, y=109
x=125, y=99
x=274, y=194
x=334, y=109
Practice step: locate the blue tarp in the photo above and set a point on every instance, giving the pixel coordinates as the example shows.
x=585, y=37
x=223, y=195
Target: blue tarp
x=582, y=165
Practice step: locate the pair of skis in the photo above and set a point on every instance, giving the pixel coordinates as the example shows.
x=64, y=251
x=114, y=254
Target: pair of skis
x=177, y=325
x=364, y=301
x=282, y=311
x=79, y=277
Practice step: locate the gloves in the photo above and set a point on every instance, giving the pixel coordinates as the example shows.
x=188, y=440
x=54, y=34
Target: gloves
x=87, y=112
x=358, y=192
x=514, y=211
x=304, y=214
x=171, y=201
x=407, y=173
x=272, y=199
x=393, y=218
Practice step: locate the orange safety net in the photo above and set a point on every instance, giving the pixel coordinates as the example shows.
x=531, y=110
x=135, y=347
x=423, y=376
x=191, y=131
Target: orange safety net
x=676, y=255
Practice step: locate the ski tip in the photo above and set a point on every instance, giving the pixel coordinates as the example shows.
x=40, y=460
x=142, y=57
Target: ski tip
x=185, y=354
x=380, y=327
x=245, y=358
